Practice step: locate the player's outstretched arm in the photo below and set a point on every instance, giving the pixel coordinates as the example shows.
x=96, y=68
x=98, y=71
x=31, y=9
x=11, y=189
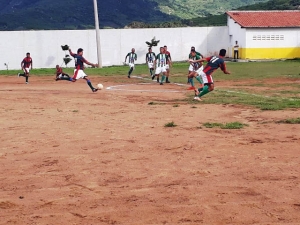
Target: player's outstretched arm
x=89, y=63
x=198, y=60
x=71, y=53
x=224, y=69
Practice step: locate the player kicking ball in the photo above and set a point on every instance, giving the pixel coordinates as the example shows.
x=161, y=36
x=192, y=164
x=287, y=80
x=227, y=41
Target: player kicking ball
x=79, y=67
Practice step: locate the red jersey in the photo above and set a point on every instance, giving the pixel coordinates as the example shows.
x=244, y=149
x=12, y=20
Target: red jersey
x=214, y=62
x=27, y=61
x=169, y=55
x=59, y=71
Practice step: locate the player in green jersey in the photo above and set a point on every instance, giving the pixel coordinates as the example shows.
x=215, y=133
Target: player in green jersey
x=132, y=56
x=161, y=60
x=194, y=69
x=150, y=57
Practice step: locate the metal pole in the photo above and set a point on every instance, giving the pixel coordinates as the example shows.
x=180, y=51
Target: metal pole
x=97, y=34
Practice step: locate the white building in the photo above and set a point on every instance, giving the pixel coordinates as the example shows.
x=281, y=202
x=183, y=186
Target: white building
x=265, y=34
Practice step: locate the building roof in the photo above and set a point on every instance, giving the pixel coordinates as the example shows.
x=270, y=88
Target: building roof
x=254, y=19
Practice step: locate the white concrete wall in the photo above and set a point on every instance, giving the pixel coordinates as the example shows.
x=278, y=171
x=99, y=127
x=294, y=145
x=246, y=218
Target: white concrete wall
x=46, y=52
x=268, y=37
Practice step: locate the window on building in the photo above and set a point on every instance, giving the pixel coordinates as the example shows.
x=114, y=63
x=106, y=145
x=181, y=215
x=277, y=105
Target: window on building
x=273, y=37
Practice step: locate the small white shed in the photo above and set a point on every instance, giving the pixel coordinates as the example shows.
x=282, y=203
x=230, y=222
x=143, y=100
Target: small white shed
x=265, y=34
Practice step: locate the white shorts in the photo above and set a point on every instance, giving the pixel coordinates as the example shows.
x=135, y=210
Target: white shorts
x=191, y=68
x=167, y=67
x=150, y=65
x=199, y=70
x=131, y=65
x=160, y=70
x=207, y=79
x=79, y=74
x=26, y=70
x=62, y=75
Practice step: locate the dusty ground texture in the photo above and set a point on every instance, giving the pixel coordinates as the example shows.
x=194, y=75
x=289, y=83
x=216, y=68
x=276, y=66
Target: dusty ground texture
x=70, y=156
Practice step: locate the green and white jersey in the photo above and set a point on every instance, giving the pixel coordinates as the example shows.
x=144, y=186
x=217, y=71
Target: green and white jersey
x=161, y=60
x=150, y=57
x=131, y=57
x=197, y=53
x=197, y=64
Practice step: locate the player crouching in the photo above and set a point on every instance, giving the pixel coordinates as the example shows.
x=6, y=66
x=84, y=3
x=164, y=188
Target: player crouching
x=60, y=75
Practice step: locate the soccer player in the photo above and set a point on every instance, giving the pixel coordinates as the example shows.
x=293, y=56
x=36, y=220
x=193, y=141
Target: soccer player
x=60, y=75
x=26, y=65
x=132, y=57
x=194, y=69
x=214, y=62
x=150, y=57
x=169, y=63
x=79, y=67
x=191, y=67
x=161, y=60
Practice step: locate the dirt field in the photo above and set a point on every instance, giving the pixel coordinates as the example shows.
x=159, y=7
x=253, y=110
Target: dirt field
x=69, y=156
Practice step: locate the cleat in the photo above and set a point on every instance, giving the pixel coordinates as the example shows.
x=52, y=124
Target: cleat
x=153, y=76
x=168, y=82
x=26, y=82
x=95, y=90
x=161, y=84
x=191, y=88
x=18, y=74
x=197, y=98
x=128, y=76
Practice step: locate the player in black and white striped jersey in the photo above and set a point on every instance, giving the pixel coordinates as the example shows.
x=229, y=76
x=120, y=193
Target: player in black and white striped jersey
x=150, y=57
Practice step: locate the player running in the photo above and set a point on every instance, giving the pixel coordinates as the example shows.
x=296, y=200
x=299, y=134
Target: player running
x=150, y=57
x=191, y=68
x=79, y=67
x=60, y=75
x=169, y=63
x=132, y=57
x=214, y=62
x=161, y=60
x=194, y=69
x=26, y=65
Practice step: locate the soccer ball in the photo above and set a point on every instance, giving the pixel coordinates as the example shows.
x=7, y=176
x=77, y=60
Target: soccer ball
x=100, y=86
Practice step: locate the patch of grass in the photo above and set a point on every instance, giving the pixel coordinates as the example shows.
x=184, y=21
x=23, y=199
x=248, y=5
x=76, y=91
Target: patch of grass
x=232, y=125
x=290, y=121
x=75, y=110
x=175, y=105
x=171, y=124
x=220, y=96
x=212, y=125
x=194, y=107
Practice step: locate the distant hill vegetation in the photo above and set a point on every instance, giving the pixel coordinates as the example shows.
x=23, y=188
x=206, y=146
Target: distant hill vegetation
x=79, y=14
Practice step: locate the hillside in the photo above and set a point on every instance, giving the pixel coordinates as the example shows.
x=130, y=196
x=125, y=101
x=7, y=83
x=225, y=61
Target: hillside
x=75, y=14
x=188, y=9
x=79, y=14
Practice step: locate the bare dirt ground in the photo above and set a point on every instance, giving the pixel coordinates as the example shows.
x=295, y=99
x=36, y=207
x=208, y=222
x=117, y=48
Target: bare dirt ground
x=70, y=156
